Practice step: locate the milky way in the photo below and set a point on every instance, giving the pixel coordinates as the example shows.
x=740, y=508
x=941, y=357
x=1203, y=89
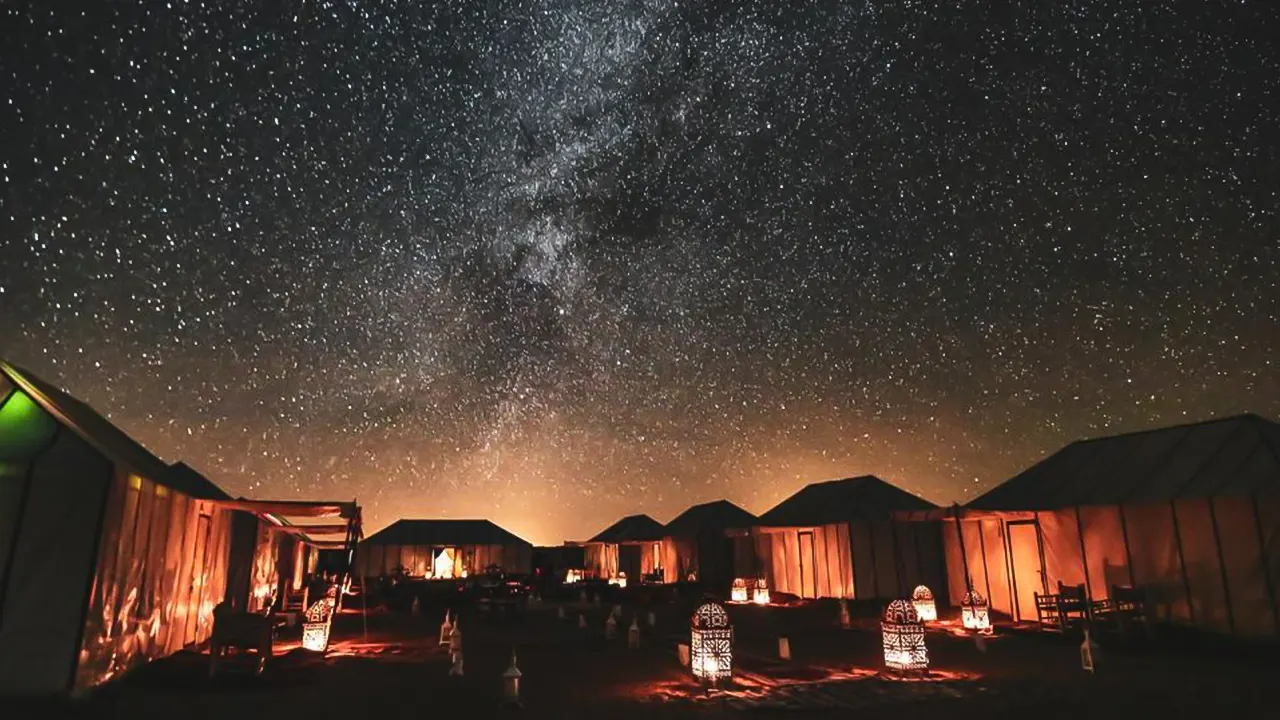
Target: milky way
x=552, y=262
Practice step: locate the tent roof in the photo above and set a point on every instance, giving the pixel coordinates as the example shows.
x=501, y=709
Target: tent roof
x=632, y=528
x=107, y=438
x=444, y=532
x=717, y=515
x=839, y=500
x=1235, y=455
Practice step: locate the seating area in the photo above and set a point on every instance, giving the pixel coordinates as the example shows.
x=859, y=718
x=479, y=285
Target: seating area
x=1071, y=607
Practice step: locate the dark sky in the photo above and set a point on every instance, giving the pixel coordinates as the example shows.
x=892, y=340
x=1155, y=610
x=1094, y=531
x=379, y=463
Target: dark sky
x=554, y=261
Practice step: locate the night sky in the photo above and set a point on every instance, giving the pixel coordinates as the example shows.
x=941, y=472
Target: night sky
x=554, y=261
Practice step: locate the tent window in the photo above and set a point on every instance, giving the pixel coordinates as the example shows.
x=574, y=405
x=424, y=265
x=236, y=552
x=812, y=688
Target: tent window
x=25, y=428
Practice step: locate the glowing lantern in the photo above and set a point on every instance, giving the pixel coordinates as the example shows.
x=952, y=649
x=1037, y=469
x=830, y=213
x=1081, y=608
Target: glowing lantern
x=904, y=649
x=511, y=683
x=620, y=580
x=572, y=576
x=760, y=593
x=738, y=593
x=711, y=643
x=315, y=631
x=975, y=613
x=926, y=608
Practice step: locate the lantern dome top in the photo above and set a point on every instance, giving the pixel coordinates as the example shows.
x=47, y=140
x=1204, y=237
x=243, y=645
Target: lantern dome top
x=973, y=597
x=739, y=582
x=710, y=615
x=921, y=593
x=901, y=612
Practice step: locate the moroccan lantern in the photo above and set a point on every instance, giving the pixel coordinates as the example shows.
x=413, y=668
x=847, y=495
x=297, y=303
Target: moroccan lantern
x=904, y=649
x=621, y=580
x=315, y=630
x=738, y=593
x=760, y=593
x=711, y=643
x=572, y=576
x=926, y=608
x=975, y=613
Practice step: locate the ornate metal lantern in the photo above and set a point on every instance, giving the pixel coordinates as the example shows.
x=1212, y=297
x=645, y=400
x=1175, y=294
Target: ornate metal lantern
x=760, y=593
x=711, y=643
x=904, y=649
x=572, y=575
x=315, y=630
x=926, y=608
x=738, y=593
x=975, y=612
x=620, y=580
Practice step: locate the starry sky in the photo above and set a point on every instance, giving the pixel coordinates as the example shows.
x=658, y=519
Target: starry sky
x=554, y=261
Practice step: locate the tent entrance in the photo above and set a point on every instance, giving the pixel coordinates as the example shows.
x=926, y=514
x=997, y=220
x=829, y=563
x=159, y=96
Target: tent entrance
x=442, y=563
x=808, y=561
x=1026, y=562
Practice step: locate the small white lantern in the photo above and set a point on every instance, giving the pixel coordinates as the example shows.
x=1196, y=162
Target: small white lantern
x=711, y=643
x=511, y=683
x=633, y=633
x=904, y=649
x=445, y=627
x=610, y=628
x=845, y=621
x=760, y=593
x=926, y=608
x=738, y=593
x=572, y=576
x=975, y=613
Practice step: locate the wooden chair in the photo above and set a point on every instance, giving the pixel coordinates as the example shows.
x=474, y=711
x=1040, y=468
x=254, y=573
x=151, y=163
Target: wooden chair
x=1047, y=611
x=242, y=630
x=1126, y=606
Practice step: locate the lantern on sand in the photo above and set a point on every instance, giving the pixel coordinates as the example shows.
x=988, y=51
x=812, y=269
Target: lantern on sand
x=315, y=630
x=711, y=643
x=904, y=649
x=738, y=593
x=926, y=608
x=975, y=613
x=620, y=580
x=572, y=576
x=760, y=593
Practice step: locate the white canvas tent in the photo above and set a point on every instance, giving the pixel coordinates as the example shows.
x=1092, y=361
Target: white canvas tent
x=840, y=539
x=1189, y=513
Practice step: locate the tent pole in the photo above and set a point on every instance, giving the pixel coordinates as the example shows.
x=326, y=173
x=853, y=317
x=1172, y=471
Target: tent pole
x=1124, y=535
x=1084, y=555
x=16, y=532
x=1266, y=564
x=964, y=556
x=986, y=572
x=1044, y=567
x=1011, y=582
x=1182, y=561
x=1222, y=566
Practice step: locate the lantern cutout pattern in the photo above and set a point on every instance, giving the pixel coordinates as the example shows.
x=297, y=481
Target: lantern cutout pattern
x=738, y=593
x=926, y=608
x=904, y=649
x=711, y=643
x=760, y=592
x=315, y=630
x=975, y=613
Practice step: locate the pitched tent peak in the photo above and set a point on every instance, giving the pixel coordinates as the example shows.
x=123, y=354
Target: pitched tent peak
x=631, y=528
x=714, y=515
x=1239, y=417
x=838, y=500
x=444, y=531
x=1234, y=455
x=100, y=433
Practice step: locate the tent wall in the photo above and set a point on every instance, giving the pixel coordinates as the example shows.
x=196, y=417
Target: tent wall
x=50, y=567
x=1209, y=564
x=824, y=572
x=374, y=560
x=244, y=537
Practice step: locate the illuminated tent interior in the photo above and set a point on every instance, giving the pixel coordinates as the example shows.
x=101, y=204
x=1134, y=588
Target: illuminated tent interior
x=632, y=545
x=442, y=549
x=839, y=539
x=1189, y=513
x=109, y=557
x=711, y=542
